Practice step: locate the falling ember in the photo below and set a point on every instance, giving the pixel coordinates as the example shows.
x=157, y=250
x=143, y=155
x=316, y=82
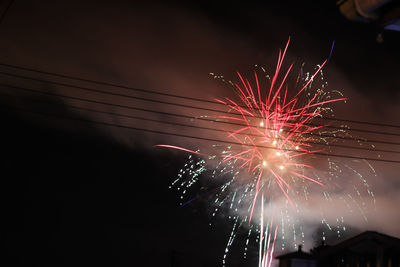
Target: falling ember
x=272, y=144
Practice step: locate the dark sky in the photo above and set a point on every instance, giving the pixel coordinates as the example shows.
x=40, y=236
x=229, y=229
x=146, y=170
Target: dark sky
x=79, y=192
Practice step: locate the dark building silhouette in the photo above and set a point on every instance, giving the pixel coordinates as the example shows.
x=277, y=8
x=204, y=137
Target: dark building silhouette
x=298, y=259
x=368, y=249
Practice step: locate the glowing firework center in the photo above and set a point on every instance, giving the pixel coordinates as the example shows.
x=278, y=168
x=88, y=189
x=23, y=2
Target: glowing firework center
x=275, y=158
x=271, y=134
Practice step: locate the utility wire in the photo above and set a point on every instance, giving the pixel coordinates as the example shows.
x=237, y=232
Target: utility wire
x=166, y=94
x=195, y=126
x=190, y=136
x=3, y=15
x=179, y=115
x=177, y=104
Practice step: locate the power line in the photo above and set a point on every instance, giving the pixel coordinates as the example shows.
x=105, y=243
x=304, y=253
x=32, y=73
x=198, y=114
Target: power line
x=166, y=94
x=116, y=94
x=202, y=127
x=179, y=115
x=190, y=136
x=177, y=104
x=3, y=15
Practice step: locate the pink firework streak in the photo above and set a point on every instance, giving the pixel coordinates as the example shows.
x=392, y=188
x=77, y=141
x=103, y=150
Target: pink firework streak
x=271, y=133
x=274, y=128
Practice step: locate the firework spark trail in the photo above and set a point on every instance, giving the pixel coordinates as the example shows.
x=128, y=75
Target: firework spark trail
x=276, y=116
x=270, y=154
x=266, y=244
x=179, y=148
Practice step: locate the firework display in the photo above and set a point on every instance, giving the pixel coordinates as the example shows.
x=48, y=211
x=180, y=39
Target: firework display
x=268, y=173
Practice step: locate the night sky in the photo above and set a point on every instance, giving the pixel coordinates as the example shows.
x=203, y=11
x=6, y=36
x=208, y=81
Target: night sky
x=75, y=192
